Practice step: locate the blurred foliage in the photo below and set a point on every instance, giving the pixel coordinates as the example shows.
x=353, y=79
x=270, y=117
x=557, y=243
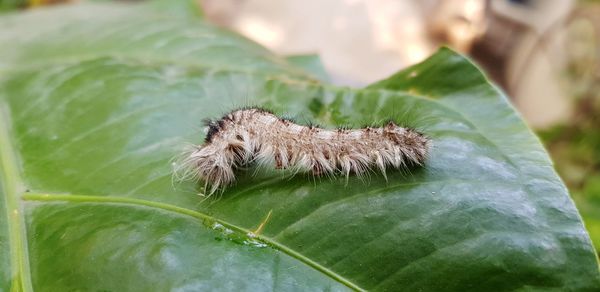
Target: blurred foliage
x=575, y=148
x=183, y=8
x=8, y=5
x=575, y=145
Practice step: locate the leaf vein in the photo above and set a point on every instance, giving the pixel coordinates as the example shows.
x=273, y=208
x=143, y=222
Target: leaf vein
x=195, y=214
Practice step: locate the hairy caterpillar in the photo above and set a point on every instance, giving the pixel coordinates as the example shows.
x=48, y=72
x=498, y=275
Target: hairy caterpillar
x=253, y=134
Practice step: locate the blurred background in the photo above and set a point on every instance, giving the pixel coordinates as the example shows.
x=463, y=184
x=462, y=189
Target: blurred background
x=545, y=54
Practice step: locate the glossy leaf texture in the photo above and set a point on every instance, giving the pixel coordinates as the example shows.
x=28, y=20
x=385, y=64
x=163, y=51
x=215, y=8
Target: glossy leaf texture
x=97, y=100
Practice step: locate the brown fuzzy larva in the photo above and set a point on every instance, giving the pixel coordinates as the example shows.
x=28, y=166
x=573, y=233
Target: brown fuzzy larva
x=256, y=135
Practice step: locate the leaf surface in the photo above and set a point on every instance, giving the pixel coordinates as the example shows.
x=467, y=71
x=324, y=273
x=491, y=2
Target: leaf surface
x=96, y=100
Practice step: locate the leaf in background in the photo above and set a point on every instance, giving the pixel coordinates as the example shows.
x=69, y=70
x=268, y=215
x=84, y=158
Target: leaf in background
x=311, y=64
x=97, y=99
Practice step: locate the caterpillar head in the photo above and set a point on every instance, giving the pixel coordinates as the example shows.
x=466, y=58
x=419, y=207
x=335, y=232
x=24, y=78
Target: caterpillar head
x=213, y=168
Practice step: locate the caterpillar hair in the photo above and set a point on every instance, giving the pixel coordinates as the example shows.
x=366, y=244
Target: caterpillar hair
x=257, y=135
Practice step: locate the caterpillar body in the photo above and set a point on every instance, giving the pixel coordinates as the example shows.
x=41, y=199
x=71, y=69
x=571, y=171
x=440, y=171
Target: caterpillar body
x=257, y=135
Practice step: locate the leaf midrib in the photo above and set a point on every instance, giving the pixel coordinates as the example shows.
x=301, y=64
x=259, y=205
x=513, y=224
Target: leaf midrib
x=12, y=186
x=45, y=197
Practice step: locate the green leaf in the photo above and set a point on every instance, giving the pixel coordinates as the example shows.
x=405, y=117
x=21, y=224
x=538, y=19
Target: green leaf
x=95, y=101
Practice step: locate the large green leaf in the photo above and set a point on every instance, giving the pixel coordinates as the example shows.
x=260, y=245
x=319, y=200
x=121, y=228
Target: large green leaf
x=97, y=99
